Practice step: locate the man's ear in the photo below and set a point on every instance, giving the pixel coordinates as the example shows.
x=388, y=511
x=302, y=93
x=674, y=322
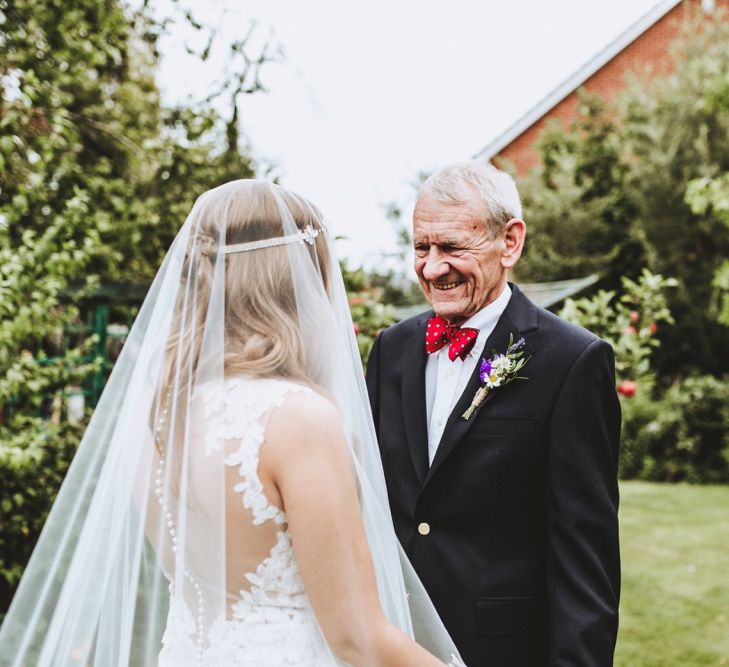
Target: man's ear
x=514, y=236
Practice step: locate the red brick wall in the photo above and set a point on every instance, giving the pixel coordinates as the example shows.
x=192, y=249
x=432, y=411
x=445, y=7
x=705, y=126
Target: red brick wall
x=649, y=52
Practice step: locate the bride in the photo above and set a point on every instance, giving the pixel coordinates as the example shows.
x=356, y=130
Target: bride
x=227, y=505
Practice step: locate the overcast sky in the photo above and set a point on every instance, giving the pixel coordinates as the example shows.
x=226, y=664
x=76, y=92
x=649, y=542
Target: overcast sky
x=374, y=92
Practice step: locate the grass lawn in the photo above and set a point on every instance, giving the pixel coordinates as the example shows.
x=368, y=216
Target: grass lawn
x=674, y=609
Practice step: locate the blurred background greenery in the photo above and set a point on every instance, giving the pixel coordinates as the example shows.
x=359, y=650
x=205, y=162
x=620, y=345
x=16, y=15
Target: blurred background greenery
x=96, y=174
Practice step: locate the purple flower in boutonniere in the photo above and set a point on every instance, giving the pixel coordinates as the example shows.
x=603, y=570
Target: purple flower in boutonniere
x=498, y=370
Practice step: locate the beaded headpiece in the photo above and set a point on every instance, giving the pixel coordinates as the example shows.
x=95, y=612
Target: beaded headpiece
x=306, y=235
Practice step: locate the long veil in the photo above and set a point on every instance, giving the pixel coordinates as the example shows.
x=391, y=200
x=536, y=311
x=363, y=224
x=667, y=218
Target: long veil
x=142, y=520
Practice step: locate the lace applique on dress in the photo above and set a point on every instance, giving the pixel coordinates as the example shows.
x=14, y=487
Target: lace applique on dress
x=272, y=623
x=276, y=582
x=240, y=415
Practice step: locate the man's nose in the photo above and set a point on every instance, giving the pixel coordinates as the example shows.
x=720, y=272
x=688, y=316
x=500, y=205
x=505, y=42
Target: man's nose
x=435, y=266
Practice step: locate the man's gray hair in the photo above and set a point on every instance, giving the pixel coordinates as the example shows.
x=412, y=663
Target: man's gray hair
x=495, y=187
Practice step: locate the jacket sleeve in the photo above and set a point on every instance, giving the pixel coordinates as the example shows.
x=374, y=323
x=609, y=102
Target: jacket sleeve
x=372, y=378
x=583, y=561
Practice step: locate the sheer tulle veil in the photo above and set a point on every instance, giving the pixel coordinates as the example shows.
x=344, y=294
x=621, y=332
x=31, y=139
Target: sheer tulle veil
x=140, y=519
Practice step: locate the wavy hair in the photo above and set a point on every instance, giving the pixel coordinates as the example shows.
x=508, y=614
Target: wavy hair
x=262, y=334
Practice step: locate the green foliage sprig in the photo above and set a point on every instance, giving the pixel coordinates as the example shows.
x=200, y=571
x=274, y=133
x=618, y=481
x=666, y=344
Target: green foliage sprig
x=629, y=322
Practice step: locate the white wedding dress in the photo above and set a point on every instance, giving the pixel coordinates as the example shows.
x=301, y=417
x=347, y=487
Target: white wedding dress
x=269, y=620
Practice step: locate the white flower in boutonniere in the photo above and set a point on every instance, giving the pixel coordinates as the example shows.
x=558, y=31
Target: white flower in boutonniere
x=498, y=370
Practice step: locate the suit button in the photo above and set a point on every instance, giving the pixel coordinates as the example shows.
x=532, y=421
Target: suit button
x=423, y=528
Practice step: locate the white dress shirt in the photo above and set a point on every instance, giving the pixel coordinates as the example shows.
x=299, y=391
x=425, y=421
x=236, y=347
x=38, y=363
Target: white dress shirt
x=445, y=380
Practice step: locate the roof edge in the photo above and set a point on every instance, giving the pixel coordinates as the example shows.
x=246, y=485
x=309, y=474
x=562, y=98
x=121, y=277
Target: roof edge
x=577, y=79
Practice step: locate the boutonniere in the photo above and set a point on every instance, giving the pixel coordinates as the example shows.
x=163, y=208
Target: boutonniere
x=498, y=370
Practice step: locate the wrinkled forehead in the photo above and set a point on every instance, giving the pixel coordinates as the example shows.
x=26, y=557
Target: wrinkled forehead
x=434, y=216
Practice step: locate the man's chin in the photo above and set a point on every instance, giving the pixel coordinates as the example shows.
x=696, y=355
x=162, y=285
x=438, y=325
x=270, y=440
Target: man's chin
x=449, y=303
x=449, y=311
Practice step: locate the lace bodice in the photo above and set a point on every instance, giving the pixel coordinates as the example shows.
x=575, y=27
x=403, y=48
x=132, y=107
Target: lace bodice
x=270, y=620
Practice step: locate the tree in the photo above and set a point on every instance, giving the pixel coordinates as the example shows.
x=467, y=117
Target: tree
x=96, y=177
x=628, y=322
x=581, y=217
x=615, y=194
x=711, y=196
x=677, y=131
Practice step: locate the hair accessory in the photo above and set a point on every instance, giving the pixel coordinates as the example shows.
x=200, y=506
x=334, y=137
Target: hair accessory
x=307, y=235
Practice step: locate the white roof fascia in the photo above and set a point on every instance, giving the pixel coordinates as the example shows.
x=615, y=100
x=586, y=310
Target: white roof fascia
x=577, y=79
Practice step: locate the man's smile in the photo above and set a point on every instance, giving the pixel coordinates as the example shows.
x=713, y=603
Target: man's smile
x=447, y=286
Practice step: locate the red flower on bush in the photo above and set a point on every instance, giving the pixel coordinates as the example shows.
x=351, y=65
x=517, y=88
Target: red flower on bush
x=356, y=328
x=628, y=388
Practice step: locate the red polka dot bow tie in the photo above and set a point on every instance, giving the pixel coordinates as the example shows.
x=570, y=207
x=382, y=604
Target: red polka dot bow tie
x=439, y=333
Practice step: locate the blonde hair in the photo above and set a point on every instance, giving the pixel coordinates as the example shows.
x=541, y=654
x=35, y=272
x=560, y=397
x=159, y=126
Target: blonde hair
x=262, y=336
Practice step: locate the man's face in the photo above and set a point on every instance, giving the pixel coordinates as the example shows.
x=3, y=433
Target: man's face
x=459, y=266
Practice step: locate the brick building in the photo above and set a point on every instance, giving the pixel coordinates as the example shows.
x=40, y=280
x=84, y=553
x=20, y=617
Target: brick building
x=643, y=47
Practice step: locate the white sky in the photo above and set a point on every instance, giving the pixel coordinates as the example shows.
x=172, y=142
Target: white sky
x=374, y=92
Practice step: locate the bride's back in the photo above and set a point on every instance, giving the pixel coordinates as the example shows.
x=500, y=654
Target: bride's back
x=264, y=606
x=236, y=349
x=236, y=424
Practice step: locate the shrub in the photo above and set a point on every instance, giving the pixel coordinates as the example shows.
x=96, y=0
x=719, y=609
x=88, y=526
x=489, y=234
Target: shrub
x=32, y=467
x=669, y=434
x=368, y=303
x=678, y=435
x=629, y=322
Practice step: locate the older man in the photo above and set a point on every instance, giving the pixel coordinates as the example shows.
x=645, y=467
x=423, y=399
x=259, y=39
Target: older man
x=507, y=507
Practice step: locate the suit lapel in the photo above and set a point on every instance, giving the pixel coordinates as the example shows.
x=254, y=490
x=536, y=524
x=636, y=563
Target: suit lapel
x=413, y=399
x=520, y=316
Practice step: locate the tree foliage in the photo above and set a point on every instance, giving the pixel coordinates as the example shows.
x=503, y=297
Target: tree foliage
x=96, y=176
x=371, y=309
x=628, y=322
x=672, y=433
x=710, y=196
x=622, y=189
x=581, y=217
x=677, y=434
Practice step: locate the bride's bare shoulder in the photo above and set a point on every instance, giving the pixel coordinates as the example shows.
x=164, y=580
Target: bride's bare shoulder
x=307, y=418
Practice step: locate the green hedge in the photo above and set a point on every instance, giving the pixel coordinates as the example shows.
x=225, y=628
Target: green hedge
x=679, y=434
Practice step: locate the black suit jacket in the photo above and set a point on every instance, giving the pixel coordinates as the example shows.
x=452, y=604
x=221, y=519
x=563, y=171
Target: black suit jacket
x=522, y=559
